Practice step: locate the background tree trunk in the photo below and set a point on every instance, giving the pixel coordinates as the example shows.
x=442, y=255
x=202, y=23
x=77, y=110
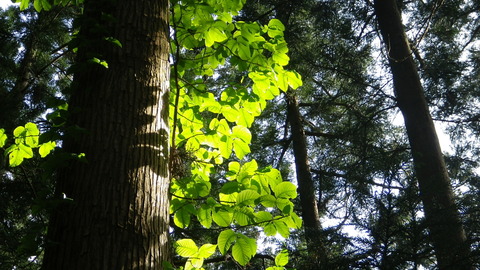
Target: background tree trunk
x=119, y=211
x=306, y=188
x=446, y=231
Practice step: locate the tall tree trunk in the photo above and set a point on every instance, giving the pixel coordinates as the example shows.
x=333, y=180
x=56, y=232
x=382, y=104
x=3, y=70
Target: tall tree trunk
x=446, y=230
x=119, y=211
x=306, y=188
x=12, y=102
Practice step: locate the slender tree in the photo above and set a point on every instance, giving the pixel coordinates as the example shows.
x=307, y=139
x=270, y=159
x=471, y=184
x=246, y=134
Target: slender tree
x=447, y=234
x=118, y=211
x=306, y=187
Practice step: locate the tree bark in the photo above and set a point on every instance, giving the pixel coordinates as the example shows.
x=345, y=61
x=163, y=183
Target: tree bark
x=446, y=230
x=117, y=212
x=306, y=188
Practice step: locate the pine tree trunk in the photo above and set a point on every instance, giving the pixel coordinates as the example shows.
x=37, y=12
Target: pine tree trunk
x=119, y=211
x=306, y=188
x=446, y=230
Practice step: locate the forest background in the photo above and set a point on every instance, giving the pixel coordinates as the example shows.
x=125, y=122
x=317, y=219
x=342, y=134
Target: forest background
x=241, y=120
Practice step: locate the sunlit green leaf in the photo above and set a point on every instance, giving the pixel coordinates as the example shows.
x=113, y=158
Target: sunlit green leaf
x=46, y=148
x=214, y=35
x=204, y=216
x=241, y=148
x=282, y=228
x=294, y=79
x=3, y=137
x=243, y=216
x=244, y=249
x=225, y=240
x=275, y=28
x=17, y=153
x=206, y=250
x=268, y=200
x=282, y=258
x=222, y=218
x=247, y=197
x=281, y=58
x=285, y=190
x=293, y=221
x=245, y=118
x=242, y=133
x=269, y=229
x=275, y=268
x=37, y=4
x=194, y=263
x=23, y=4
x=262, y=216
x=186, y=248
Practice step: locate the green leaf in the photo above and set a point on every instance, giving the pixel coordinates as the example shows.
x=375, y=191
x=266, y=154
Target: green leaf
x=234, y=166
x=204, y=216
x=194, y=263
x=225, y=240
x=222, y=218
x=230, y=113
x=230, y=187
x=186, y=248
x=269, y=229
x=244, y=50
x=182, y=218
x=225, y=146
x=244, y=249
x=285, y=205
x=23, y=4
x=17, y=153
x=46, y=148
x=282, y=228
x=26, y=151
x=46, y=5
x=298, y=221
x=103, y=63
x=282, y=258
x=281, y=58
x=285, y=190
x=293, y=221
x=247, y=197
x=3, y=137
x=37, y=5
x=242, y=133
x=275, y=28
x=276, y=268
x=244, y=216
x=19, y=132
x=214, y=35
x=294, y=79
x=31, y=134
x=263, y=216
x=114, y=41
x=245, y=118
x=274, y=177
x=206, y=250
x=268, y=200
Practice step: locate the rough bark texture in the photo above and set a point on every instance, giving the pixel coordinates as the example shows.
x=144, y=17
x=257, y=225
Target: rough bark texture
x=306, y=188
x=118, y=214
x=446, y=231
